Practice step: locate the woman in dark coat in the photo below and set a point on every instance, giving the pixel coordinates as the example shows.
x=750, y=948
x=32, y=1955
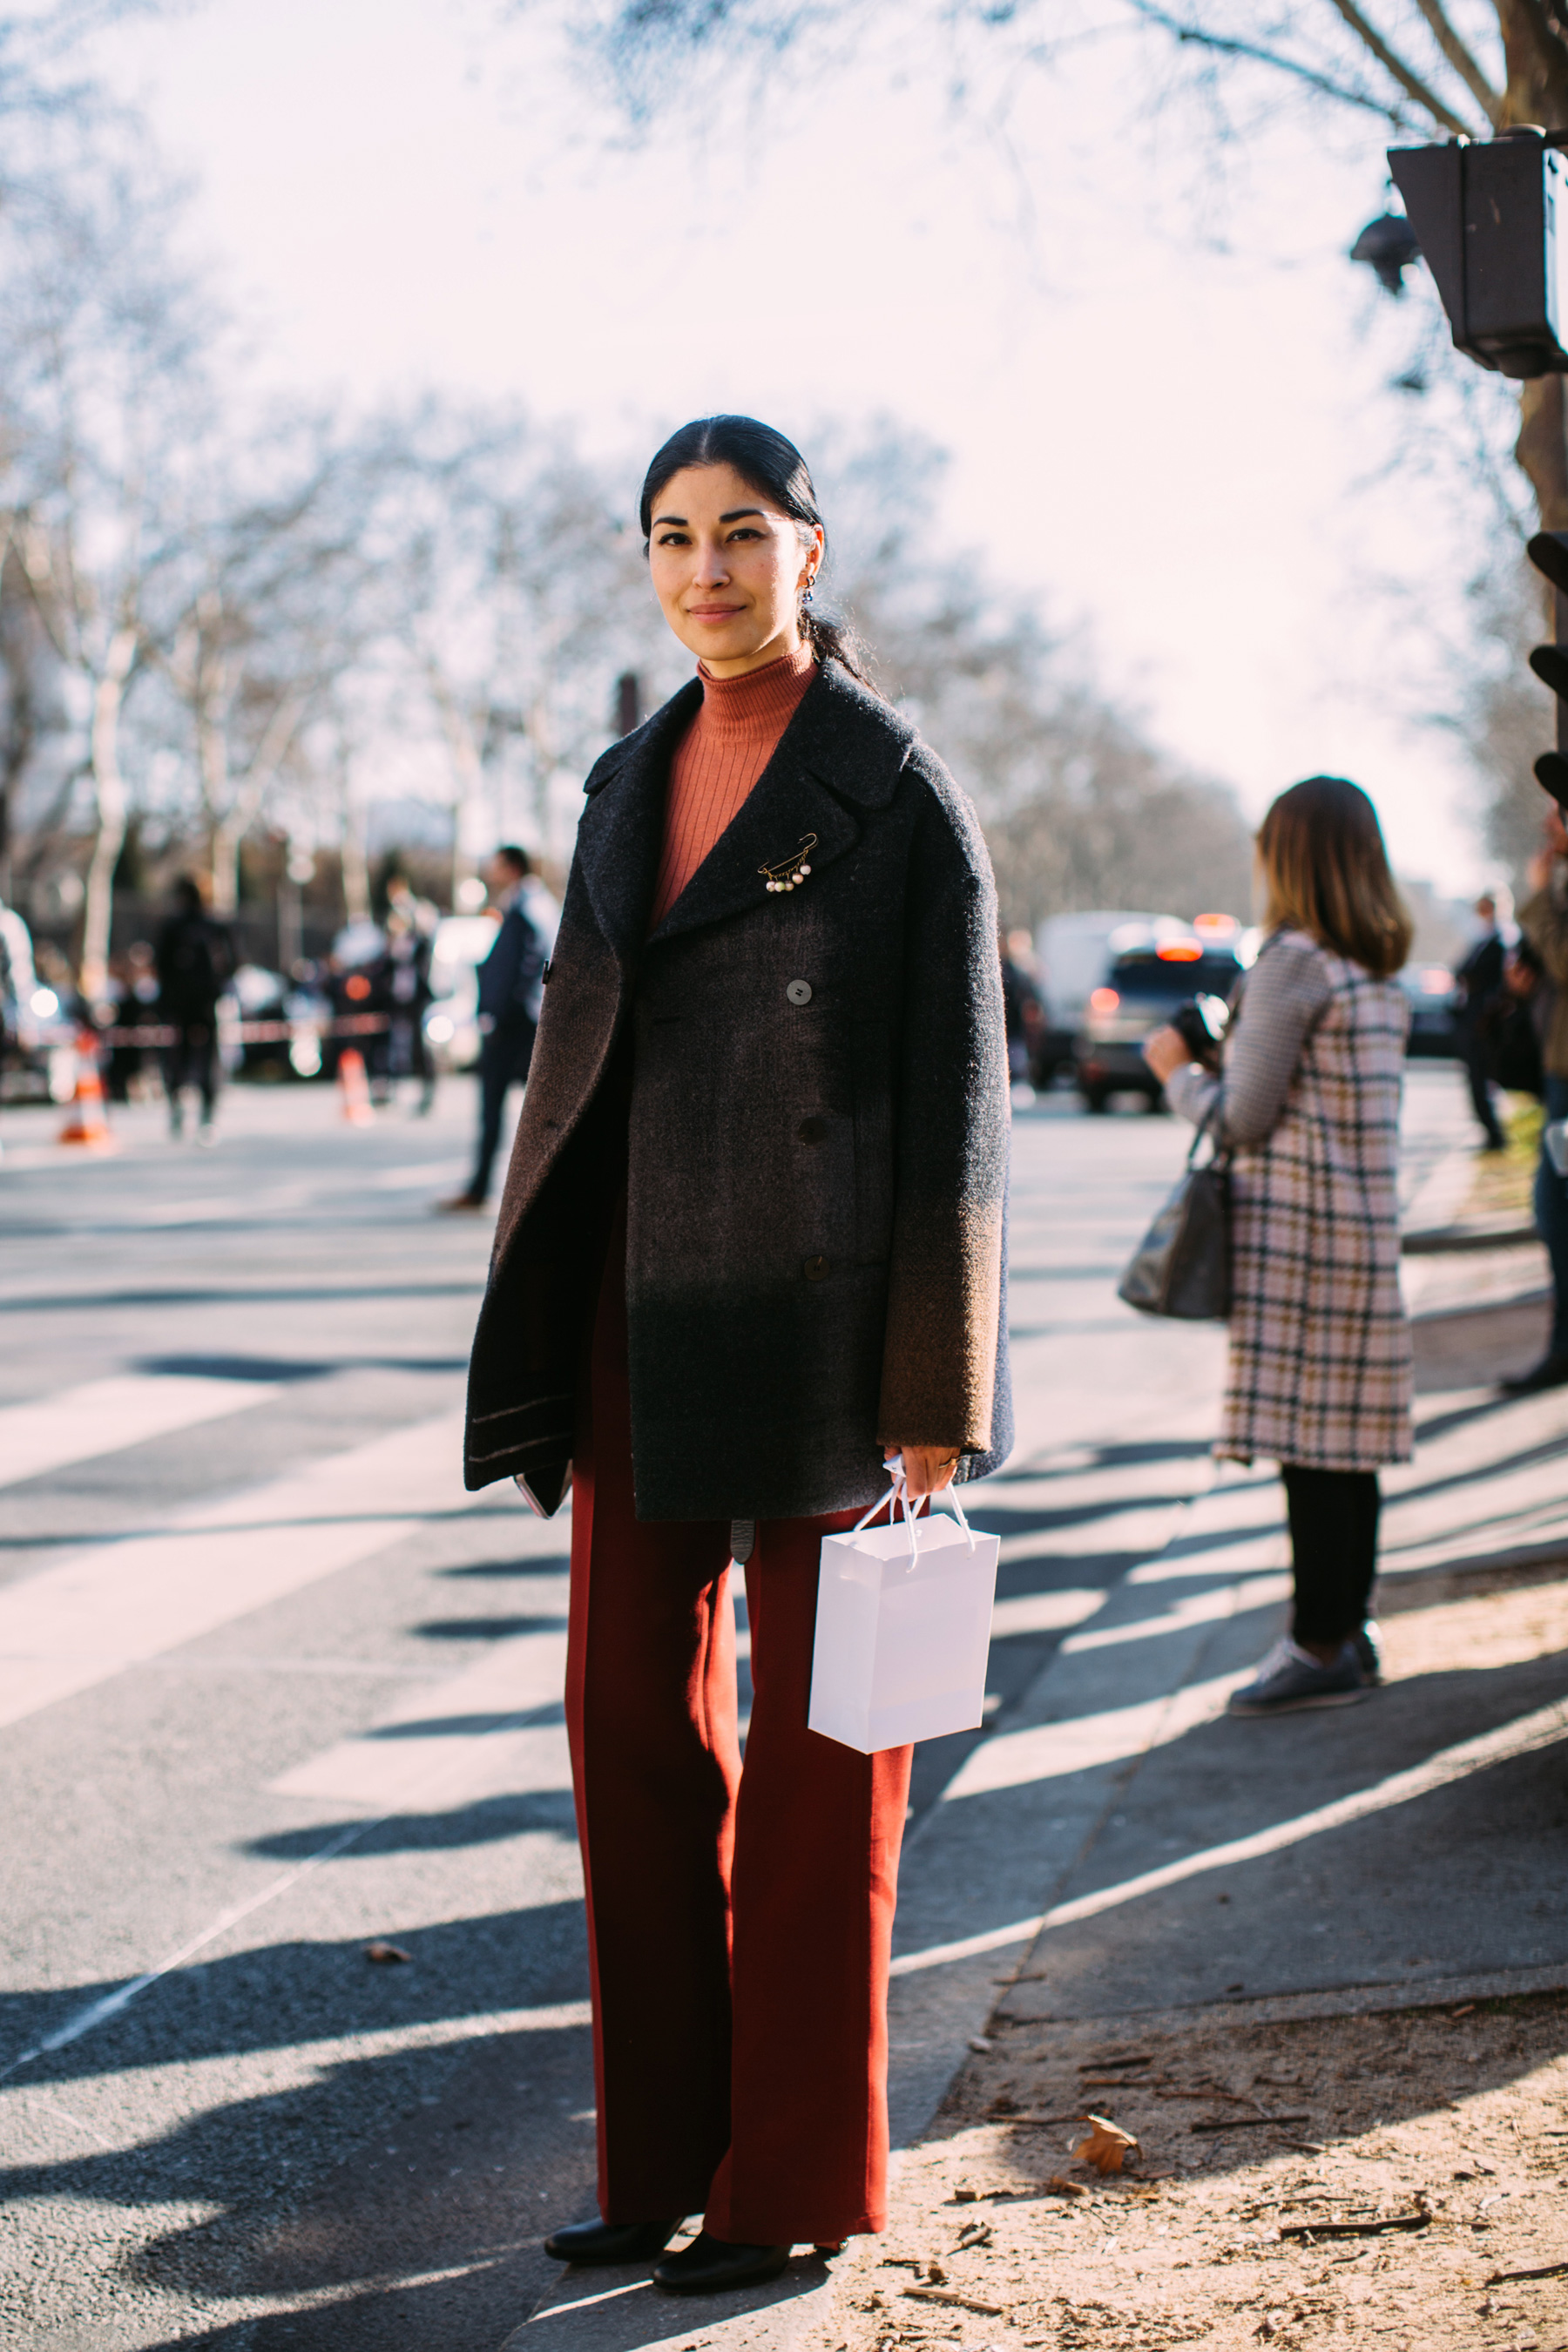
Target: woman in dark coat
x=750, y=1247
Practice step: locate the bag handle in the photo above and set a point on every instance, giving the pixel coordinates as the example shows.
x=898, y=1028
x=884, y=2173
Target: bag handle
x=899, y=1492
x=1220, y=1151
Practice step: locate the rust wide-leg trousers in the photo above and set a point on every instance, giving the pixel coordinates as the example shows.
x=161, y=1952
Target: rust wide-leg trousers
x=739, y=1922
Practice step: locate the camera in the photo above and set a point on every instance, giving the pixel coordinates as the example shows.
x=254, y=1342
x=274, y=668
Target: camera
x=1201, y=1024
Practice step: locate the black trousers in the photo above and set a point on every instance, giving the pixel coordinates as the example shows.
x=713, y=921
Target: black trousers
x=1473, y=1047
x=1333, y=1543
x=192, y=1062
x=504, y=1057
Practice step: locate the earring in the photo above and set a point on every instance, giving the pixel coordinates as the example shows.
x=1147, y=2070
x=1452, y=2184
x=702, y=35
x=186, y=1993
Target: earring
x=806, y=592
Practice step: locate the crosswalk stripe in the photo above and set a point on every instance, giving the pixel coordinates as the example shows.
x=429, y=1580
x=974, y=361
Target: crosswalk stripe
x=478, y=1741
x=106, y=1416
x=110, y=1606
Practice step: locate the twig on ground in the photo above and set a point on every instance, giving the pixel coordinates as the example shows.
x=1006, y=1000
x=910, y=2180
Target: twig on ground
x=1360, y=2229
x=963, y=2302
x=1245, y=2123
x=1537, y=2270
x=1231, y=2098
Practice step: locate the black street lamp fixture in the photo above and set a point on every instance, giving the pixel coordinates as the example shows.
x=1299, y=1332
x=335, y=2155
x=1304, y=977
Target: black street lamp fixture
x=1387, y=244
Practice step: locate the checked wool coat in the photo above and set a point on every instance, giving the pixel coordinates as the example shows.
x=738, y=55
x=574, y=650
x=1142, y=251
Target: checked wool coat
x=1321, y=1369
x=805, y=1094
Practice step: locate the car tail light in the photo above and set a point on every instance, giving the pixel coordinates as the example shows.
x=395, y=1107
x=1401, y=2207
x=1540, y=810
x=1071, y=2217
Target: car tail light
x=1103, y=1000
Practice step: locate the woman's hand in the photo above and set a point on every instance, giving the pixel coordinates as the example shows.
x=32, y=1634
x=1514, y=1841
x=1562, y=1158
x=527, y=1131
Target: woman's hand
x=1166, y=1050
x=926, y=1468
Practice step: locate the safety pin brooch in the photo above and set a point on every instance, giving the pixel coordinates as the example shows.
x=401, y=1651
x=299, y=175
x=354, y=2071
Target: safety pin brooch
x=788, y=871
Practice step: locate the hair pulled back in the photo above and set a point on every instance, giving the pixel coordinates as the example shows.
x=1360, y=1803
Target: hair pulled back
x=776, y=469
x=1327, y=873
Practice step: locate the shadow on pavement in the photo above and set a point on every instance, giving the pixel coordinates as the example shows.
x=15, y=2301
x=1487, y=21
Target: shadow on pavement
x=276, y=1996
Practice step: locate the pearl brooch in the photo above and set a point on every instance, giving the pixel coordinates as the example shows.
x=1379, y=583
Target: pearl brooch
x=788, y=873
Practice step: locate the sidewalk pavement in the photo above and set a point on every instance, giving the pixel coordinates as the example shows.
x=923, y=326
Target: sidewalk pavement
x=1119, y=1845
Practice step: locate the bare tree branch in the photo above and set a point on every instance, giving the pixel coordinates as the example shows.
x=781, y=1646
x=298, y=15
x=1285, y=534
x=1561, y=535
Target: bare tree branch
x=1409, y=81
x=1227, y=45
x=1462, y=59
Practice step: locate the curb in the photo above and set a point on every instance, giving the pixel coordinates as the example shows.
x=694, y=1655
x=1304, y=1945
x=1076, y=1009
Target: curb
x=1444, y=1241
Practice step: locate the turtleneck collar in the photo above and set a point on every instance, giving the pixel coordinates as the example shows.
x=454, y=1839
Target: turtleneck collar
x=759, y=698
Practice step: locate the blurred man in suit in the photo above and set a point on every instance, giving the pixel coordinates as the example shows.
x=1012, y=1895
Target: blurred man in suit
x=510, y=979
x=1479, y=979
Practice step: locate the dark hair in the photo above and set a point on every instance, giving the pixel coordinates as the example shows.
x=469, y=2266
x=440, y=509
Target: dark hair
x=776, y=471
x=518, y=859
x=1326, y=872
x=189, y=896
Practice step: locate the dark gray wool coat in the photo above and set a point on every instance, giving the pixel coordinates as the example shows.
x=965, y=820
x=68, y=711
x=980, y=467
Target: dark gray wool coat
x=805, y=1093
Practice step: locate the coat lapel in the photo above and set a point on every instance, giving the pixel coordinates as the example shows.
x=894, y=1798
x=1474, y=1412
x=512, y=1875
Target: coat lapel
x=622, y=829
x=800, y=793
x=784, y=808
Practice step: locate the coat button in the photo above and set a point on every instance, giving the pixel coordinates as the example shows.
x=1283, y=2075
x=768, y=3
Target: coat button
x=812, y=1130
x=817, y=1269
x=799, y=991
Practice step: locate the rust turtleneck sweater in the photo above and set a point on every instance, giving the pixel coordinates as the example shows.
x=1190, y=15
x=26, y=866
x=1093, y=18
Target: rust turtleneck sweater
x=717, y=760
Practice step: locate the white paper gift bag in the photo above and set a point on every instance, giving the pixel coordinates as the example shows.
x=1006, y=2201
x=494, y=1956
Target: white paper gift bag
x=903, y=1629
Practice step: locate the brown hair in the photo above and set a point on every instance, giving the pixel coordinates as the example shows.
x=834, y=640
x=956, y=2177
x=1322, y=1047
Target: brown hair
x=1327, y=873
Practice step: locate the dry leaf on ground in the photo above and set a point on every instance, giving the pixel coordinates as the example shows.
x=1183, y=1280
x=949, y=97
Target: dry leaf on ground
x=1107, y=2146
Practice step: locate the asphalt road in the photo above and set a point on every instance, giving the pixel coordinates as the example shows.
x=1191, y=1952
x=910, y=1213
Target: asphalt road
x=273, y=1688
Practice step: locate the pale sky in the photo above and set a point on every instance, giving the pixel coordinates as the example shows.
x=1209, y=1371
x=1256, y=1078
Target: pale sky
x=1171, y=444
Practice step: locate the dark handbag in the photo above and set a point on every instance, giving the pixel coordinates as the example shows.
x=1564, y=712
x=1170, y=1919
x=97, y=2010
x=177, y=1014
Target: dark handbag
x=1181, y=1265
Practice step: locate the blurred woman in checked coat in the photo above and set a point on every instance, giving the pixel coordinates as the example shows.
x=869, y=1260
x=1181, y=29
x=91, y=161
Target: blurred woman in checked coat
x=1307, y=1100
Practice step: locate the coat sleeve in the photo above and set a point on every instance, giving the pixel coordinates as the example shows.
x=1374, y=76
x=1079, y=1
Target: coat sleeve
x=1286, y=994
x=951, y=1167
x=1545, y=923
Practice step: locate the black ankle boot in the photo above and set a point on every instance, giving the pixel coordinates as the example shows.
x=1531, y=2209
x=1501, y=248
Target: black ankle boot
x=598, y=2245
x=712, y=2266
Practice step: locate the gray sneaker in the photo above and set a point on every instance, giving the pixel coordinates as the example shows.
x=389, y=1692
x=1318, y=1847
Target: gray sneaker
x=1291, y=1678
x=1368, y=1646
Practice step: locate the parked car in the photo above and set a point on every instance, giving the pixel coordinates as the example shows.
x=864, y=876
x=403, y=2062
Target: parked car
x=37, y=1037
x=1071, y=953
x=452, y=1020
x=1152, y=970
x=1433, y=999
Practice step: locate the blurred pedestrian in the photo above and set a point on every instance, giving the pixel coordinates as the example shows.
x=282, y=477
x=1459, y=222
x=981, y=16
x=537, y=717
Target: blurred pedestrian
x=510, y=985
x=1477, y=981
x=1307, y=1100
x=401, y=992
x=1022, y=1001
x=752, y=1243
x=1515, y=1025
x=132, y=993
x=1544, y=920
x=194, y=962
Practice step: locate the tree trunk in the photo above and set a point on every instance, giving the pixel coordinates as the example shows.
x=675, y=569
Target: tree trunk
x=1542, y=447
x=223, y=857
x=356, y=862
x=223, y=840
x=233, y=808
x=1537, y=91
x=109, y=785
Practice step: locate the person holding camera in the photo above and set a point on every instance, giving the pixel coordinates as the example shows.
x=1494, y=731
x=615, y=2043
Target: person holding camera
x=1307, y=1100
x=1544, y=920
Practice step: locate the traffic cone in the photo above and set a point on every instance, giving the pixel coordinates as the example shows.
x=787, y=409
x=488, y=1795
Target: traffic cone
x=87, y=1127
x=353, y=1088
